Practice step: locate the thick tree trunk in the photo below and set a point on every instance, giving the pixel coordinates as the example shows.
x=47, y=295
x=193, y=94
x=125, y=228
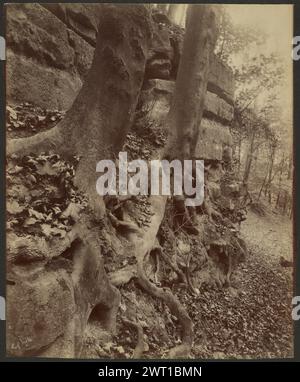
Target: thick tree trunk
x=96, y=125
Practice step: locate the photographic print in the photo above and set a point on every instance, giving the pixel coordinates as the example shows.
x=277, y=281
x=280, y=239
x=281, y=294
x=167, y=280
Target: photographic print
x=149, y=181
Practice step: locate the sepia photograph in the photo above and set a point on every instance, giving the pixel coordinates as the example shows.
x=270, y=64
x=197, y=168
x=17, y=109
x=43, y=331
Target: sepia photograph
x=149, y=181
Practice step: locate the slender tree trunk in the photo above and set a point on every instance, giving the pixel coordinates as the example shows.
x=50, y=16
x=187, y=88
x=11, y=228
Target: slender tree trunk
x=186, y=112
x=163, y=7
x=183, y=15
x=264, y=182
x=249, y=159
x=280, y=180
x=239, y=154
x=269, y=182
x=172, y=11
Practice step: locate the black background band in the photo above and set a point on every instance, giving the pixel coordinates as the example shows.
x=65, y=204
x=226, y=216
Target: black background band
x=211, y=369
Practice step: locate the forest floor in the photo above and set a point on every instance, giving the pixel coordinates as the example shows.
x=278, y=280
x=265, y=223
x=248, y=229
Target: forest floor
x=250, y=319
x=253, y=316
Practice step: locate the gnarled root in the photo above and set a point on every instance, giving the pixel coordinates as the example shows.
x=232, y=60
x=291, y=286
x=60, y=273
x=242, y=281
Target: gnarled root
x=141, y=345
x=172, y=264
x=183, y=350
x=50, y=140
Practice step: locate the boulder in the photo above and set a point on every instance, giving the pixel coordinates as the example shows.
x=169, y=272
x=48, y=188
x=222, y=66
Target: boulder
x=215, y=107
x=81, y=18
x=49, y=303
x=213, y=137
x=47, y=87
x=33, y=32
x=40, y=306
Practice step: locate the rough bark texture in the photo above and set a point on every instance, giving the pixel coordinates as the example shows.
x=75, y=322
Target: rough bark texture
x=191, y=84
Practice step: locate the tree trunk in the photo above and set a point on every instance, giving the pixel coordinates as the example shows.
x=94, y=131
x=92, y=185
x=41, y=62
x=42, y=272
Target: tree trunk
x=269, y=182
x=172, y=11
x=239, y=154
x=188, y=99
x=163, y=7
x=263, y=183
x=96, y=125
x=280, y=180
x=183, y=123
x=249, y=159
x=183, y=15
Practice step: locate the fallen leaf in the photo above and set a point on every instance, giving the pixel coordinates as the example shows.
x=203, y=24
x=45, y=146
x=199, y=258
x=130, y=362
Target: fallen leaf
x=13, y=207
x=30, y=221
x=46, y=169
x=52, y=231
x=36, y=214
x=15, y=170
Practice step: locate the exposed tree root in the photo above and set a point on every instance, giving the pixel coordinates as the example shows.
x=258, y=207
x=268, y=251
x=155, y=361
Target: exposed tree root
x=122, y=224
x=30, y=248
x=211, y=212
x=229, y=270
x=143, y=246
x=188, y=276
x=141, y=345
x=50, y=140
x=173, y=265
x=183, y=350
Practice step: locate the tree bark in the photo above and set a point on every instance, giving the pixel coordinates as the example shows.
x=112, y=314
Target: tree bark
x=191, y=84
x=269, y=182
x=249, y=158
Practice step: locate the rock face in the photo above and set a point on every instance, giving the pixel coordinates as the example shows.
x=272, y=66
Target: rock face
x=214, y=134
x=55, y=51
x=47, y=62
x=50, y=303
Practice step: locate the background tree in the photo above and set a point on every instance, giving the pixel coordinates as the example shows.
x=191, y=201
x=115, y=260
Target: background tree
x=258, y=77
x=233, y=39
